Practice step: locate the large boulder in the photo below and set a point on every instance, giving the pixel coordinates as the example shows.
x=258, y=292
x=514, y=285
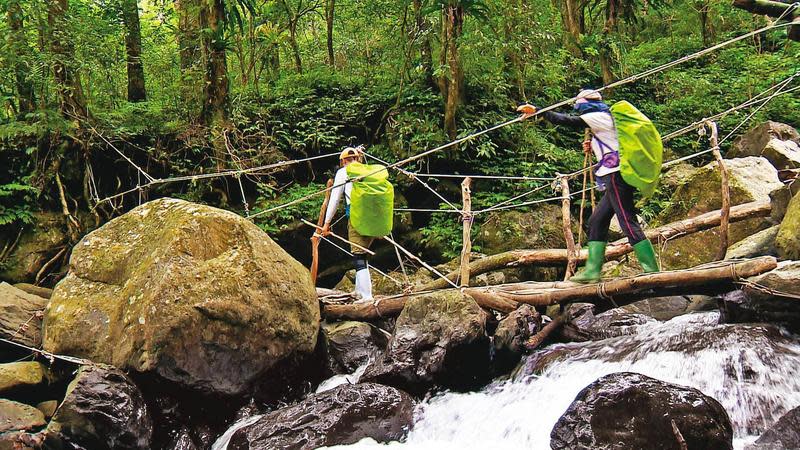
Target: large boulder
x=787, y=241
x=36, y=245
x=512, y=333
x=772, y=297
x=18, y=416
x=631, y=411
x=102, y=409
x=784, y=435
x=352, y=344
x=22, y=377
x=776, y=141
x=198, y=295
x=439, y=339
x=751, y=179
x=21, y=315
x=660, y=308
x=781, y=198
x=511, y=230
x=343, y=415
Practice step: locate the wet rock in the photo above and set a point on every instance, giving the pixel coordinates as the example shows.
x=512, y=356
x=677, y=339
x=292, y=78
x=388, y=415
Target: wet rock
x=583, y=325
x=103, y=409
x=352, y=344
x=182, y=441
x=200, y=296
x=751, y=179
x=759, y=244
x=761, y=301
x=787, y=241
x=700, y=303
x=48, y=408
x=632, y=411
x=439, y=340
x=784, y=435
x=35, y=247
x=512, y=333
x=19, y=416
x=343, y=415
x=659, y=308
x=21, y=377
x=20, y=315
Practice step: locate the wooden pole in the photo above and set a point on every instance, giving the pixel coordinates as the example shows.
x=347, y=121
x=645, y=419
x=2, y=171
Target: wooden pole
x=725, y=211
x=537, y=339
x=315, y=238
x=466, y=219
x=566, y=223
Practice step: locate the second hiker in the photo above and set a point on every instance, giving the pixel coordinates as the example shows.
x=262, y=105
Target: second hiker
x=369, y=202
x=620, y=171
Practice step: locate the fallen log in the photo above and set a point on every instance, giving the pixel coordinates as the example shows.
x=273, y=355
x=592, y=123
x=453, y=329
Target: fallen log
x=774, y=9
x=537, y=339
x=615, y=250
x=723, y=273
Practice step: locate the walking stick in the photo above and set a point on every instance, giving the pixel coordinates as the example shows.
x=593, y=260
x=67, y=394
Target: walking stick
x=315, y=236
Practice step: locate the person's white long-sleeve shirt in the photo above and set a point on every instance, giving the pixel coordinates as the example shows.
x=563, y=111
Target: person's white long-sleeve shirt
x=341, y=187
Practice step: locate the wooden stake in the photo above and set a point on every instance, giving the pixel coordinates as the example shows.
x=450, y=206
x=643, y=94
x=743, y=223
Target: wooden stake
x=725, y=211
x=566, y=222
x=466, y=218
x=314, y=238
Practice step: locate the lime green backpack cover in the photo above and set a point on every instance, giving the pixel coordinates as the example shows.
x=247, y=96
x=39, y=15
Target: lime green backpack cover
x=640, y=147
x=371, y=200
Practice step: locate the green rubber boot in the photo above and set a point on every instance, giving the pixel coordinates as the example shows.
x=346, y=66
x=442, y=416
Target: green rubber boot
x=594, y=264
x=646, y=255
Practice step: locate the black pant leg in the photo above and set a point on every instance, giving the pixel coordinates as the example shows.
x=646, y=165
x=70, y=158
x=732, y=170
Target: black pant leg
x=600, y=219
x=621, y=199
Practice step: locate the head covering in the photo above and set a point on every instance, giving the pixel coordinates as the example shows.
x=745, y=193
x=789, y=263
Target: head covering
x=586, y=95
x=350, y=152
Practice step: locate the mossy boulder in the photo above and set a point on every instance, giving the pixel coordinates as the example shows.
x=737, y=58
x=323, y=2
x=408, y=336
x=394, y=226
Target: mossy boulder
x=751, y=179
x=21, y=376
x=439, y=340
x=511, y=230
x=759, y=244
x=36, y=245
x=787, y=242
x=198, y=295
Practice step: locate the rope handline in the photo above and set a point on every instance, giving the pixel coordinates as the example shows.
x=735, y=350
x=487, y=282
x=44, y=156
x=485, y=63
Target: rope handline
x=385, y=275
x=50, y=356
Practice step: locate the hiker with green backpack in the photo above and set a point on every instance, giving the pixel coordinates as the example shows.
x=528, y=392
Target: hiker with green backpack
x=629, y=153
x=369, y=203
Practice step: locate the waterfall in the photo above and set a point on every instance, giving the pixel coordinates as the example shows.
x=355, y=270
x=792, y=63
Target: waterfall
x=749, y=369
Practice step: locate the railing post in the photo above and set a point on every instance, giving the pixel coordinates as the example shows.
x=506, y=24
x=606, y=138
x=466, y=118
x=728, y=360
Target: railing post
x=566, y=218
x=466, y=218
x=725, y=210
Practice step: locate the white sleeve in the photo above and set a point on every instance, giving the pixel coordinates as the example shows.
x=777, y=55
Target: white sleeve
x=339, y=182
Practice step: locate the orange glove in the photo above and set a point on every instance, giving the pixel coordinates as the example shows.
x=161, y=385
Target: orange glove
x=527, y=110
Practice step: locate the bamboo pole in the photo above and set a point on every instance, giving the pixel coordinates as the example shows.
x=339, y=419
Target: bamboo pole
x=566, y=223
x=725, y=211
x=466, y=219
x=556, y=257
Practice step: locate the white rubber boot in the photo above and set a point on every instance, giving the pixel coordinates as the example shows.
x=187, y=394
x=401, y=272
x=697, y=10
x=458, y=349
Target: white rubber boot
x=364, y=286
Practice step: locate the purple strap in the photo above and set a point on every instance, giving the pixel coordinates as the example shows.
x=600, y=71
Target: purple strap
x=609, y=159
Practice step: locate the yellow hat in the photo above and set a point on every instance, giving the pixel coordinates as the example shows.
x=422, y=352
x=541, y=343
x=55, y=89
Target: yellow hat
x=350, y=152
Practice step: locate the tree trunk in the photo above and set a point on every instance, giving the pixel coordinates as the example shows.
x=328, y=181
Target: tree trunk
x=572, y=19
x=706, y=26
x=215, y=92
x=607, y=59
x=298, y=63
x=330, y=7
x=19, y=48
x=133, y=48
x=191, y=90
x=421, y=34
x=72, y=103
x=453, y=21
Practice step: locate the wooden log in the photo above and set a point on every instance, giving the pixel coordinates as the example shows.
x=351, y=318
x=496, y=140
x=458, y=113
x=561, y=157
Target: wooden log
x=557, y=257
x=492, y=301
x=392, y=306
x=683, y=280
x=466, y=219
x=537, y=339
x=315, y=237
x=773, y=9
x=566, y=224
x=725, y=211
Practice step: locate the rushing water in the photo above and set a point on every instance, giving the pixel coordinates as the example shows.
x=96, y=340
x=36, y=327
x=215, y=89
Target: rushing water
x=750, y=370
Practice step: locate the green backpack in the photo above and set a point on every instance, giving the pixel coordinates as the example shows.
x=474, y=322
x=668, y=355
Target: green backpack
x=640, y=148
x=371, y=200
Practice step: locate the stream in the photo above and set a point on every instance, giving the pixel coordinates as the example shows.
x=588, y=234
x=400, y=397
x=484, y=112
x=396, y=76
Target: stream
x=751, y=370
